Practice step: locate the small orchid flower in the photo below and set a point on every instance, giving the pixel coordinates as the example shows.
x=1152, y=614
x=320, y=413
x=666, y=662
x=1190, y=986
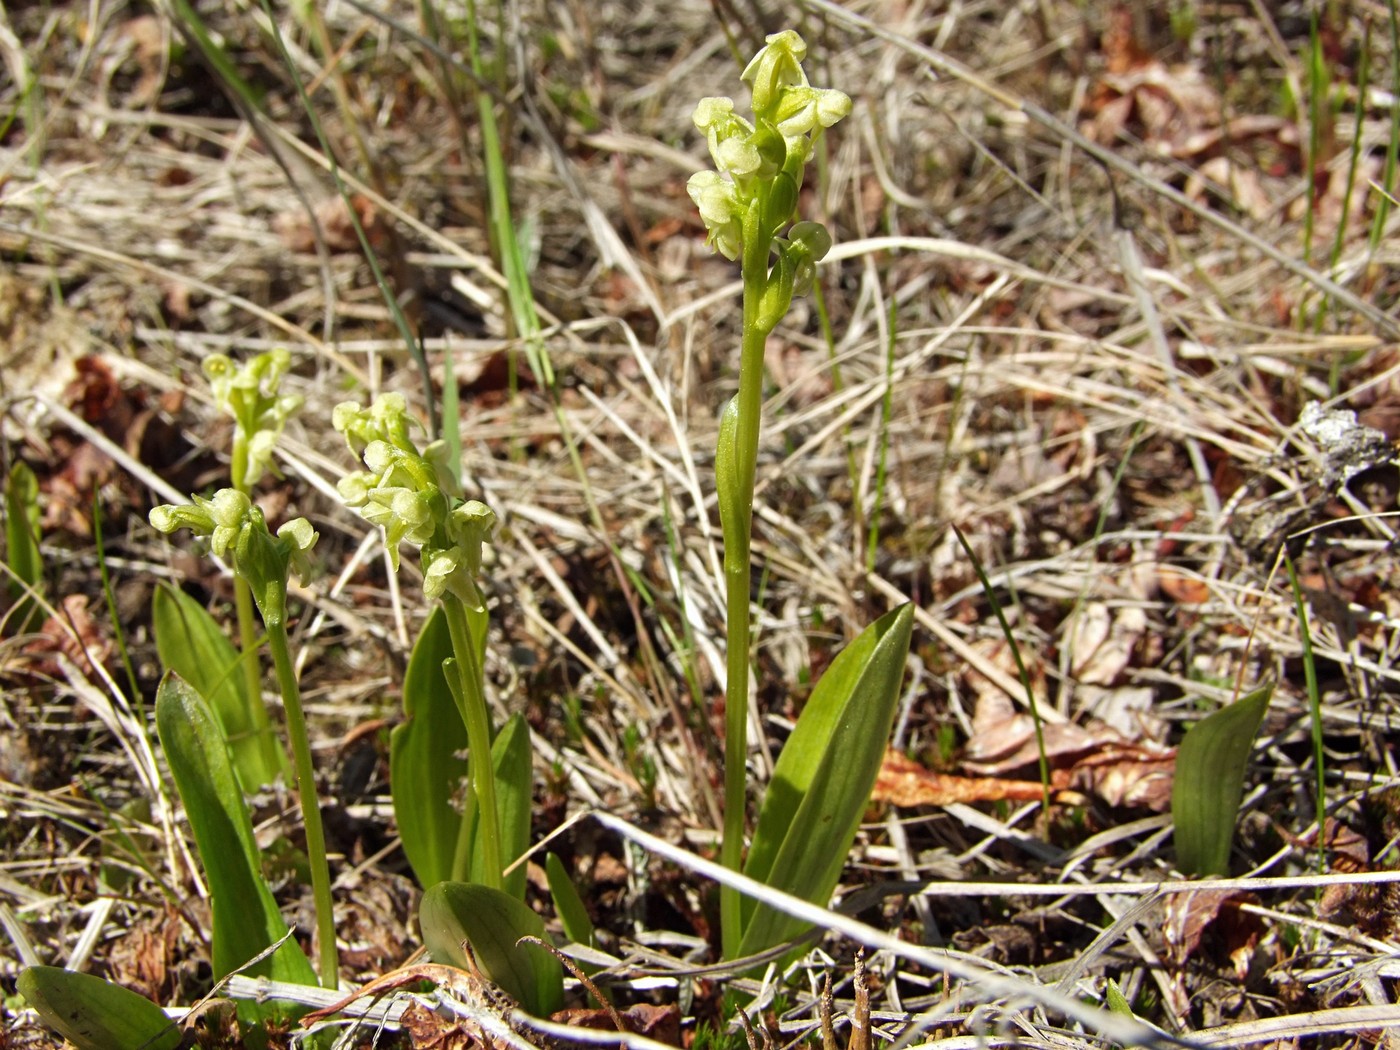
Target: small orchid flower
x=753, y=190
x=250, y=395
x=238, y=531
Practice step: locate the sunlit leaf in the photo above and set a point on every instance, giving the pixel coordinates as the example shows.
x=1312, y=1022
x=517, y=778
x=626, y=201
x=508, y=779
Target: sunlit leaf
x=245, y=917
x=1210, y=768
x=22, y=553
x=822, y=780
x=193, y=645
x=425, y=772
x=511, y=759
x=94, y=1014
x=491, y=922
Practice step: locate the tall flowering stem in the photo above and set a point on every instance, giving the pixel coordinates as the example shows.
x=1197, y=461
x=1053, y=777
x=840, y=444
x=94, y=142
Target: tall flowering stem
x=413, y=497
x=251, y=396
x=747, y=204
x=238, y=532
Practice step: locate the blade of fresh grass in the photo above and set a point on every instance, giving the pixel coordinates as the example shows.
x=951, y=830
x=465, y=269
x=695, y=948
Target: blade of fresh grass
x=1021, y=671
x=111, y=600
x=882, y=456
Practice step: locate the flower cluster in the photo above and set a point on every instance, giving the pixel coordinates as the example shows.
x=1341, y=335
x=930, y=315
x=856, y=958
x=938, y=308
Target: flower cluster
x=412, y=496
x=250, y=395
x=759, y=164
x=238, y=531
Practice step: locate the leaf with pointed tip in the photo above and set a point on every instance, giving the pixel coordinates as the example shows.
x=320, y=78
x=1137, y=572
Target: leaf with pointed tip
x=512, y=760
x=193, y=645
x=578, y=927
x=94, y=1014
x=425, y=772
x=22, y=553
x=492, y=922
x=245, y=917
x=822, y=781
x=1209, y=783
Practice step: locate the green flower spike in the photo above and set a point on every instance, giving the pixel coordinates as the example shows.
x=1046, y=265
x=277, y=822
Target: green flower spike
x=747, y=203
x=749, y=198
x=238, y=531
x=414, y=498
x=250, y=395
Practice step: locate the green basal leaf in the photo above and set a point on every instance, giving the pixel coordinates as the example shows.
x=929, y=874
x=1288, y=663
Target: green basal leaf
x=193, y=645
x=492, y=923
x=1209, y=783
x=22, y=553
x=1116, y=1001
x=512, y=760
x=425, y=773
x=245, y=917
x=823, y=777
x=94, y=1014
x=578, y=927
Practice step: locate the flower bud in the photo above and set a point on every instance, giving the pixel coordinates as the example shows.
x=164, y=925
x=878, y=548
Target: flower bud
x=777, y=66
x=782, y=199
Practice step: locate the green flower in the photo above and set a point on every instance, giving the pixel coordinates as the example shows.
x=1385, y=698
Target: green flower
x=238, y=532
x=250, y=395
x=720, y=210
x=412, y=496
x=759, y=163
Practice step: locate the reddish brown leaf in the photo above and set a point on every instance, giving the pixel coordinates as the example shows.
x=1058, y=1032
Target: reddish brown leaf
x=903, y=782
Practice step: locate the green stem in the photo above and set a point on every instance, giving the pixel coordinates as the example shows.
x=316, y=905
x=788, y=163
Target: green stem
x=310, y=804
x=478, y=725
x=273, y=757
x=738, y=575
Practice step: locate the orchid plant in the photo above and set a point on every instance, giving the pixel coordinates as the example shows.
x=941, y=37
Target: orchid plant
x=747, y=204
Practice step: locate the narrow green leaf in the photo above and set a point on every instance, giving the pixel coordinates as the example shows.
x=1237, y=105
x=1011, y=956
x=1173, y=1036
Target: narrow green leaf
x=245, y=917
x=511, y=760
x=1116, y=1001
x=94, y=1014
x=492, y=923
x=1209, y=783
x=823, y=777
x=22, y=553
x=578, y=927
x=425, y=772
x=193, y=645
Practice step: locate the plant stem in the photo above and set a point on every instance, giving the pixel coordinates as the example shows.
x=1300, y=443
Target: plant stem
x=310, y=805
x=478, y=723
x=738, y=578
x=274, y=759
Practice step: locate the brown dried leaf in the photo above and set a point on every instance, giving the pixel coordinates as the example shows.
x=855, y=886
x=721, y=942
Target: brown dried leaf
x=662, y=1023
x=1190, y=914
x=1101, y=644
x=903, y=782
x=1128, y=776
x=297, y=233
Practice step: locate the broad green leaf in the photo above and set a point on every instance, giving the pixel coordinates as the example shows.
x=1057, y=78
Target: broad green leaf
x=424, y=771
x=94, y=1014
x=822, y=781
x=193, y=645
x=22, y=553
x=245, y=917
x=511, y=759
x=1209, y=783
x=578, y=927
x=492, y=922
